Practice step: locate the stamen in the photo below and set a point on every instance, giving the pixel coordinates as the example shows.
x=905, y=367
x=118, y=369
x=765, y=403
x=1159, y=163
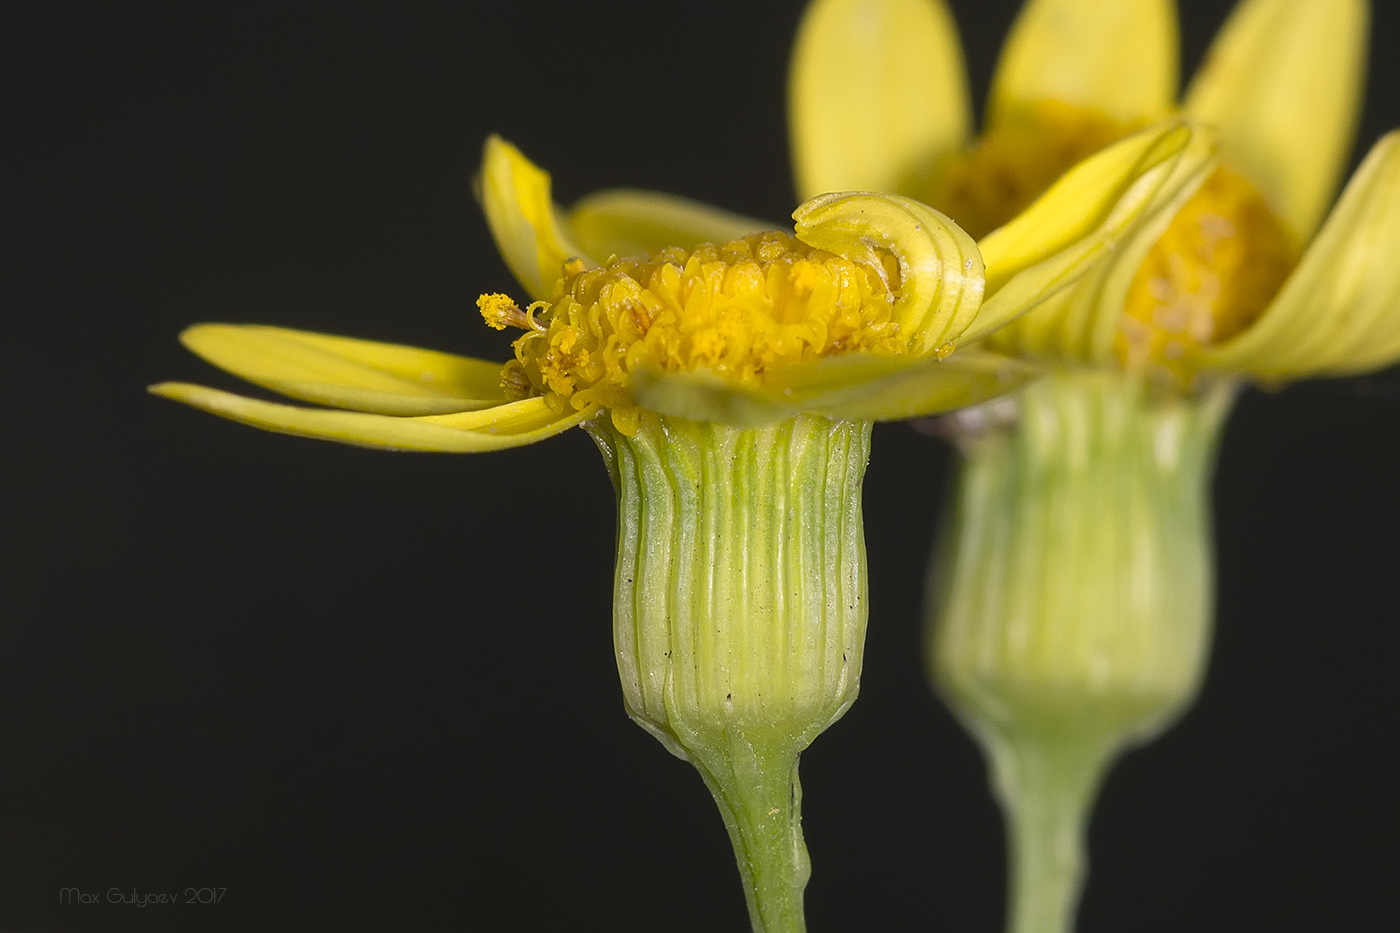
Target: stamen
x=501, y=312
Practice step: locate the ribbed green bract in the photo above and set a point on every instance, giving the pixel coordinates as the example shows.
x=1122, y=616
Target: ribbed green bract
x=739, y=614
x=1076, y=569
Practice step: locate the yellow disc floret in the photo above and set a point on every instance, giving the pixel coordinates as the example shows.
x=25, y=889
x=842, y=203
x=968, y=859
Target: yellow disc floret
x=736, y=310
x=1212, y=273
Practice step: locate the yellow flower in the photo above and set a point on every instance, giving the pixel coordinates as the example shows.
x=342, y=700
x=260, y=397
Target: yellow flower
x=729, y=375
x=853, y=317
x=1243, y=282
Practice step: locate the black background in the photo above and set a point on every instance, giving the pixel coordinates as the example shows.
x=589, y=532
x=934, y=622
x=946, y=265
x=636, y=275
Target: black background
x=377, y=690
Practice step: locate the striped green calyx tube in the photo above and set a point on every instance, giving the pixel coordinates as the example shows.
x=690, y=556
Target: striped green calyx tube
x=739, y=615
x=1070, y=601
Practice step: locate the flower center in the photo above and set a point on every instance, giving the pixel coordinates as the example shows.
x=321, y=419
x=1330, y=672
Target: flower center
x=1004, y=171
x=1212, y=273
x=737, y=310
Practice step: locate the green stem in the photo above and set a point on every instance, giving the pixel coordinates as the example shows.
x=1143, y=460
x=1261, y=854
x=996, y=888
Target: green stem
x=762, y=809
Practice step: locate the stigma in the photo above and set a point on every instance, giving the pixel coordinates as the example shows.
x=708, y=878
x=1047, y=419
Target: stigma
x=737, y=310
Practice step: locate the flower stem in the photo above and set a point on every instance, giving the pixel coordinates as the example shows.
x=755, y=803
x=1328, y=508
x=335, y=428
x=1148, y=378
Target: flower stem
x=760, y=799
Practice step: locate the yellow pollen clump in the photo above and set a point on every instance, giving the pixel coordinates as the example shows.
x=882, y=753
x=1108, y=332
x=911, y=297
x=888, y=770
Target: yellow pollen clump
x=501, y=311
x=1006, y=170
x=736, y=310
x=1211, y=274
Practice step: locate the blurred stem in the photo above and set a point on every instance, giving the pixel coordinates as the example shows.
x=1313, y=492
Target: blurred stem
x=1046, y=790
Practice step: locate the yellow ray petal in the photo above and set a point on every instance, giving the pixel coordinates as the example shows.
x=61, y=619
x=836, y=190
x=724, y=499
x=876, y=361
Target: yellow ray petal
x=627, y=222
x=1117, y=57
x=940, y=269
x=1083, y=218
x=1282, y=84
x=876, y=94
x=515, y=194
x=1339, y=313
x=1080, y=322
x=512, y=424
x=363, y=375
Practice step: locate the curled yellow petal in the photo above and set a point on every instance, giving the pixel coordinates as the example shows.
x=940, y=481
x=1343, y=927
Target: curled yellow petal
x=342, y=372
x=626, y=222
x=940, y=269
x=1282, y=85
x=1080, y=322
x=512, y=424
x=1084, y=217
x=1116, y=57
x=876, y=94
x=1339, y=312
x=515, y=194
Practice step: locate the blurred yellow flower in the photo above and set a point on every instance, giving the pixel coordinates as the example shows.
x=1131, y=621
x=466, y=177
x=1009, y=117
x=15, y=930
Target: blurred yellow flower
x=1070, y=599
x=1243, y=282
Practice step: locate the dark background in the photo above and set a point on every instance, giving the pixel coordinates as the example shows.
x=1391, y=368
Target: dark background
x=377, y=690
